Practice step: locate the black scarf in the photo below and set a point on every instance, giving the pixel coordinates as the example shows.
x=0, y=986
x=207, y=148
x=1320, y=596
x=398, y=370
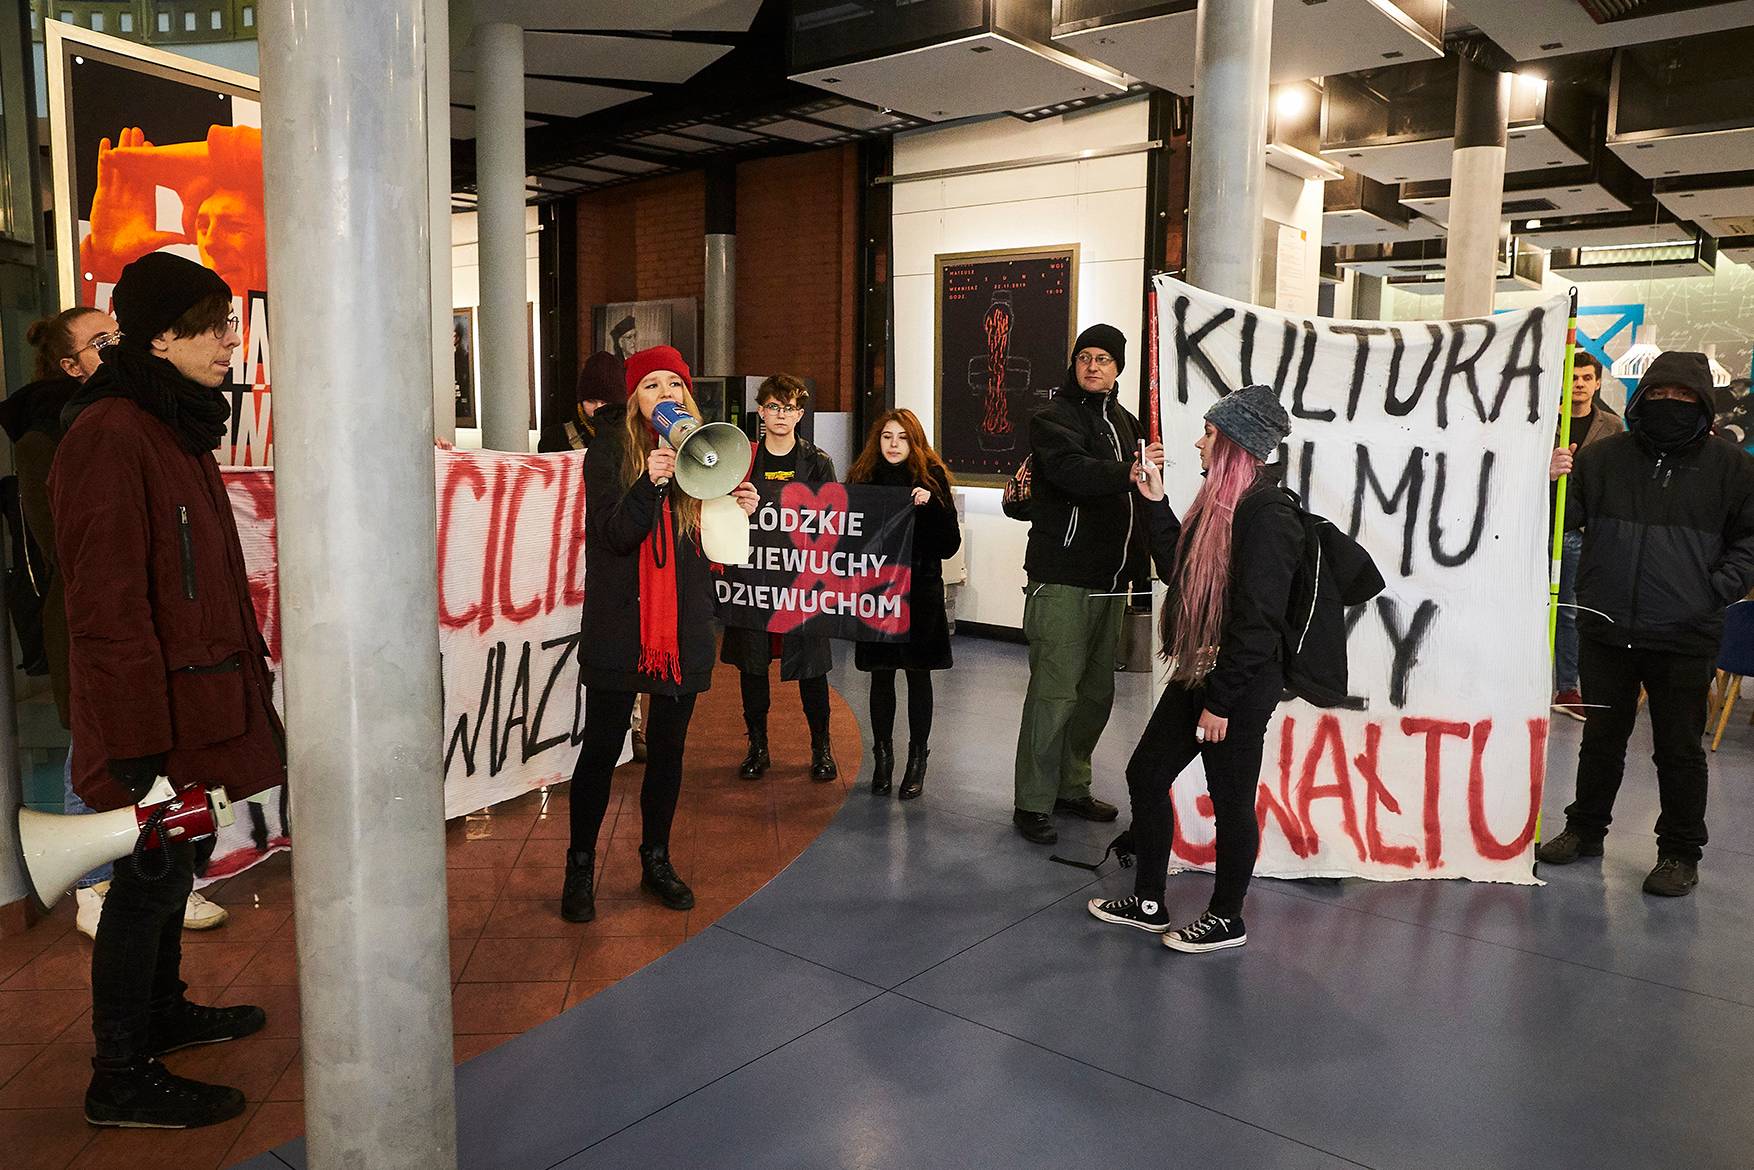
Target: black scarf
x=37, y=407
x=196, y=414
x=887, y=474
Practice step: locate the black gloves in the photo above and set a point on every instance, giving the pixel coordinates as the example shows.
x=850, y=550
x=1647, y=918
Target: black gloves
x=137, y=775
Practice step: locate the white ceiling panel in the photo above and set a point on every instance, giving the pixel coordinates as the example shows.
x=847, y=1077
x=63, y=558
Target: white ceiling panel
x=1531, y=148
x=1598, y=237
x=463, y=122
x=626, y=58
x=1719, y=211
x=1309, y=40
x=586, y=174
x=1361, y=227
x=1688, y=154
x=1740, y=253
x=982, y=74
x=626, y=15
x=1569, y=200
x=558, y=99
x=796, y=131
x=714, y=133
x=676, y=142
x=1531, y=29
x=632, y=166
x=854, y=117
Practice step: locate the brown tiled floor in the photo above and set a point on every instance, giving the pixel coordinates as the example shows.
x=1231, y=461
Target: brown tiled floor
x=514, y=962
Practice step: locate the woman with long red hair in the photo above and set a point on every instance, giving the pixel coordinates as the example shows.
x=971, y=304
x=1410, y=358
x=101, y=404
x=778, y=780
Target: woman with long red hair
x=897, y=454
x=647, y=626
x=1229, y=568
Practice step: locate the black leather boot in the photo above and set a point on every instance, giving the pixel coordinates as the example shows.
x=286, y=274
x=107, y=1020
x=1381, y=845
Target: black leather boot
x=913, y=781
x=578, y=896
x=882, y=767
x=659, y=877
x=756, y=763
x=822, y=768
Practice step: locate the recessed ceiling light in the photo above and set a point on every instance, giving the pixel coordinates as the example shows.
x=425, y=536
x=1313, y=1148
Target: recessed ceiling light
x=831, y=81
x=1393, y=56
x=980, y=48
x=1551, y=45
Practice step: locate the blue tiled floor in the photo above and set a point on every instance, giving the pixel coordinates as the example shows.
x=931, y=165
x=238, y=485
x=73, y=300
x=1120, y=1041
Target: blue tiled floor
x=922, y=988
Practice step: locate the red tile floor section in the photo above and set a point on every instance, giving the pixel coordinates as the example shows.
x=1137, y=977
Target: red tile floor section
x=514, y=962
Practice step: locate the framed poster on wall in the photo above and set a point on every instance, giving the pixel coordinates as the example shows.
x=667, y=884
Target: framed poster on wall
x=1005, y=322
x=463, y=366
x=626, y=327
x=152, y=152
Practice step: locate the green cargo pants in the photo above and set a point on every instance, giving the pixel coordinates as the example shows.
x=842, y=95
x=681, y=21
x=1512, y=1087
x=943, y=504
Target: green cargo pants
x=1073, y=637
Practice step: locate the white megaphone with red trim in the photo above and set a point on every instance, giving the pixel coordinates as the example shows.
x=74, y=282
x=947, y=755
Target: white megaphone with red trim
x=711, y=460
x=57, y=850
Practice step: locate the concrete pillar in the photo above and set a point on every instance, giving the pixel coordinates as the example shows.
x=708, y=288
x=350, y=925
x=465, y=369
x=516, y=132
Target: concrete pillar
x=499, y=176
x=438, y=180
x=1229, y=141
x=347, y=242
x=719, y=348
x=1476, y=186
x=1366, y=297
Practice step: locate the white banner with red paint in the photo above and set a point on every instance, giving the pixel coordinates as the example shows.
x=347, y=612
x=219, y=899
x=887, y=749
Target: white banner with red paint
x=1428, y=441
x=511, y=554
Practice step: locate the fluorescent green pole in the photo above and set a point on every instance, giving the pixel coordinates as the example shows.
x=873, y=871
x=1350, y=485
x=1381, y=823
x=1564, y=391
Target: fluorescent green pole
x=1559, y=499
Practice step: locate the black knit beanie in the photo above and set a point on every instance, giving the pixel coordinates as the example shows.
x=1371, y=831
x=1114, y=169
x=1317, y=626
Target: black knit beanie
x=1106, y=338
x=603, y=379
x=157, y=289
x=1253, y=419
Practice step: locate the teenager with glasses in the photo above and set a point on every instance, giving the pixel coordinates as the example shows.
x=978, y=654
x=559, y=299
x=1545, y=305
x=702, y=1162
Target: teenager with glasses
x=781, y=457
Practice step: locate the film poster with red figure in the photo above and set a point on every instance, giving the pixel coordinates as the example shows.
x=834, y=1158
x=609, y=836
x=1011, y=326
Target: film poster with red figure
x=157, y=153
x=1428, y=442
x=832, y=559
x=1006, y=321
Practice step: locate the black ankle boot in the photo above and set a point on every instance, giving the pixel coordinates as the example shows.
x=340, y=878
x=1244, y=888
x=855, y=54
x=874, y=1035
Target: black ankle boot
x=822, y=768
x=913, y=781
x=882, y=767
x=660, y=878
x=756, y=763
x=145, y=1095
x=578, y=897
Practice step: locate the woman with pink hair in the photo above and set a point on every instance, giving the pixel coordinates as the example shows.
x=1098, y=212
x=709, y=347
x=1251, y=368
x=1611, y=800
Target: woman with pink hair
x=1229, y=568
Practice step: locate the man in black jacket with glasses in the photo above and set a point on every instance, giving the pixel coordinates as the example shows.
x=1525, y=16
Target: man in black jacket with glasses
x=1667, y=511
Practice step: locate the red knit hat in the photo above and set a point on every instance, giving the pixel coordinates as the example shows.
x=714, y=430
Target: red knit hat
x=658, y=357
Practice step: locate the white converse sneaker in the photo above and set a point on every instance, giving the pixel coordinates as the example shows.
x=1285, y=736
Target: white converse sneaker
x=200, y=914
x=90, y=900
x=1137, y=912
x=1208, y=932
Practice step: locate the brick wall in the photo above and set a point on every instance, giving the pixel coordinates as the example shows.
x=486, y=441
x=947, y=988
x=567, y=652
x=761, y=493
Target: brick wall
x=797, y=240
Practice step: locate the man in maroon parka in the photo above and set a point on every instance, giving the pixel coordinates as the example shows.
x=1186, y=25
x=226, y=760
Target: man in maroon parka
x=168, y=669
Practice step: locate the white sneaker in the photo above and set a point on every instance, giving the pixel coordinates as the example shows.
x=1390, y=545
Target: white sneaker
x=200, y=914
x=91, y=907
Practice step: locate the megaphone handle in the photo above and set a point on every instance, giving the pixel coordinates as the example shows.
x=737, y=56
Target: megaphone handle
x=148, y=830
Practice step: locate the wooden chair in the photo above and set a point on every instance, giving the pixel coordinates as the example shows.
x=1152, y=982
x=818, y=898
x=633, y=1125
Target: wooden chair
x=1735, y=661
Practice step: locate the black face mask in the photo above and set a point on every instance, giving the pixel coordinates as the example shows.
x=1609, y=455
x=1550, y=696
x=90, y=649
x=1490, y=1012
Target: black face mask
x=1670, y=423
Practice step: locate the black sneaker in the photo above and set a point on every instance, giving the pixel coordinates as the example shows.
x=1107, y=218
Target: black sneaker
x=659, y=877
x=1672, y=878
x=1135, y=911
x=189, y=1024
x=147, y=1096
x=1566, y=848
x=578, y=896
x=1088, y=807
x=1036, y=827
x=1208, y=932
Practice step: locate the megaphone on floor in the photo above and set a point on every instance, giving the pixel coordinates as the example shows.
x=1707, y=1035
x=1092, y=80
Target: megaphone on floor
x=58, y=850
x=711, y=460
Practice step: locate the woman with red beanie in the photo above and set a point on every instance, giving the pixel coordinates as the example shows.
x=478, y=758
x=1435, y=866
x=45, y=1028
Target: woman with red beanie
x=647, y=626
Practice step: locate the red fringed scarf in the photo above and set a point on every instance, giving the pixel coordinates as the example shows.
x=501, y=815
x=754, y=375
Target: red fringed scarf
x=660, y=648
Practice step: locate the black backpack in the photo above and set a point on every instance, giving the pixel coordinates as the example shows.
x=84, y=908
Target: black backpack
x=1336, y=572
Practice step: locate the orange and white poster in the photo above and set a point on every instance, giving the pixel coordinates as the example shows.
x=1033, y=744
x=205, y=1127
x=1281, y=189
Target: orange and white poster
x=159, y=153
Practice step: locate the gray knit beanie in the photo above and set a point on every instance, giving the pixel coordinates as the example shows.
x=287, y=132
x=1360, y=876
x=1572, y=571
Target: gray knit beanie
x=1252, y=419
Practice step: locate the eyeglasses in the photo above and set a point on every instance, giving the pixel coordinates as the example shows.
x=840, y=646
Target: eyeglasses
x=230, y=327
x=100, y=342
x=1100, y=360
x=781, y=408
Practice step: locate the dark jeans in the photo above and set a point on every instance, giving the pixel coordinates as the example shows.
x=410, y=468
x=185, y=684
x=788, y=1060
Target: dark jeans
x=606, y=714
x=757, y=699
x=1233, y=771
x=138, y=954
x=1675, y=687
x=919, y=706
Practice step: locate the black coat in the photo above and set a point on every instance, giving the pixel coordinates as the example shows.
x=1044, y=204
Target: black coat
x=801, y=655
x=1266, y=549
x=936, y=536
x=1084, y=527
x=1668, y=541
x=617, y=520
